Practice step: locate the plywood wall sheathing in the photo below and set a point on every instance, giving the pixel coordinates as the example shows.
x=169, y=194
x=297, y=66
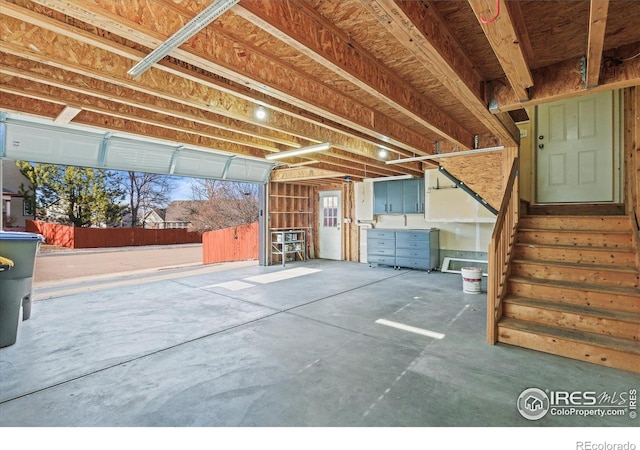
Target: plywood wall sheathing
x=483, y=173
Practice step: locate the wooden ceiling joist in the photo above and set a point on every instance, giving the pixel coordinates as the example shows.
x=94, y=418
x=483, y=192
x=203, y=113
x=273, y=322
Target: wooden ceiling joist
x=302, y=173
x=409, y=76
x=300, y=26
x=423, y=32
x=503, y=37
x=232, y=57
x=564, y=80
x=598, y=10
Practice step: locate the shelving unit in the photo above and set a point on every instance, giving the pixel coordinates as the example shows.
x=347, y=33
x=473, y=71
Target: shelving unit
x=288, y=244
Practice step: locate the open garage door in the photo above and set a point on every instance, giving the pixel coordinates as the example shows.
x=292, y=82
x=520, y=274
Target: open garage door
x=39, y=140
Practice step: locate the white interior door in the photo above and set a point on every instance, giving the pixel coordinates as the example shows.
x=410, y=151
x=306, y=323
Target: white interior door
x=330, y=225
x=574, y=150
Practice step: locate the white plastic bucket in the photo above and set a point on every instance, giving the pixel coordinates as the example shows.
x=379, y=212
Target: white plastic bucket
x=471, y=278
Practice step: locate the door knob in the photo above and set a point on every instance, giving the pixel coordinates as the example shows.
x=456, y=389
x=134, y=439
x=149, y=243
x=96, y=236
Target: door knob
x=540, y=137
x=540, y=146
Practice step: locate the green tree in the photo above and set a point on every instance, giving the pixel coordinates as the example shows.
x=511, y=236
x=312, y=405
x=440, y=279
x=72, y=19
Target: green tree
x=79, y=196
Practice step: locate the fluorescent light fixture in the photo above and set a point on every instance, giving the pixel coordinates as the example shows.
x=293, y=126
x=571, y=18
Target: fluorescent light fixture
x=201, y=20
x=300, y=151
x=446, y=155
x=395, y=177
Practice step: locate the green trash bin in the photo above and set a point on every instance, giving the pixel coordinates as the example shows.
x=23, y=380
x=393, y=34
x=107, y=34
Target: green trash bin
x=16, y=283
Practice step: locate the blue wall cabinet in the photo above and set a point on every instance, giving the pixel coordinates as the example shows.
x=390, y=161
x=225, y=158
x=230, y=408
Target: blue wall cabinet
x=398, y=197
x=413, y=196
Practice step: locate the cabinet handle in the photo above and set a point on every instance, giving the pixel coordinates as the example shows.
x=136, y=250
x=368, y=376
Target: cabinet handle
x=416, y=207
x=390, y=207
x=385, y=207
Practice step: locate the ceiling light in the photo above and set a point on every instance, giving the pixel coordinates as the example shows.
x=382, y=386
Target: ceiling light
x=261, y=113
x=201, y=20
x=382, y=153
x=300, y=151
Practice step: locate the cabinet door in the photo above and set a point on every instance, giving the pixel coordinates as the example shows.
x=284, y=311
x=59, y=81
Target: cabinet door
x=394, y=197
x=411, y=201
x=421, y=195
x=413, y=196
x=380, y=197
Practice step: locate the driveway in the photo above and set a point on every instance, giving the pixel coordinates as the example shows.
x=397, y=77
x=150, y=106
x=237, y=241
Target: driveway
x=56, y=265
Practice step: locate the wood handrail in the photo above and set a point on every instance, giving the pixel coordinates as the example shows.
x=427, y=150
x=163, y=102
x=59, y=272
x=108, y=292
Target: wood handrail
x=500, y=251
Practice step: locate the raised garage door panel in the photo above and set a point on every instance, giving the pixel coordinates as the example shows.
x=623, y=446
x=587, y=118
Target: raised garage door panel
x=41, y=140
x=32, y=143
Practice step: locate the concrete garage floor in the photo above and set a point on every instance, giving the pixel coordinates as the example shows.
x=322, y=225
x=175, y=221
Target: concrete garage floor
x=208, y=347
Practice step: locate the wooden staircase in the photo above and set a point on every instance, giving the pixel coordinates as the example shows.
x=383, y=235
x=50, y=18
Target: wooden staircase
x=573, y=290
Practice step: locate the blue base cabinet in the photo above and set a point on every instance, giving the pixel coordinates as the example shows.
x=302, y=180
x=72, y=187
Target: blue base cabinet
x=413, y=249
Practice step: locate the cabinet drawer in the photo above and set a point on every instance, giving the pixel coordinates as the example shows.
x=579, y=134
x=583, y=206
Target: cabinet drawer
x=377, y=259
x=412, y=253
x=421, y=245
x=381, y=244
x=412, y=236
x=381, y=234
x=381, y=251
x=414, y=263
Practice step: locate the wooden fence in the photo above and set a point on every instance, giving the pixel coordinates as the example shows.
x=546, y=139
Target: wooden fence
x=231, y=244
x=76, y=237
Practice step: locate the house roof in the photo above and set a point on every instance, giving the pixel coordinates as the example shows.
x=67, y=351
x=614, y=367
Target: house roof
x=180, y=210
x=409, y=76
x=160, y=213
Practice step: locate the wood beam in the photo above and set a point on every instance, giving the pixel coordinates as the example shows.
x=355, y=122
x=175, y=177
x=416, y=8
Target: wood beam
x=503, y=37
x=19, y=104
x=38, y=91
x=87, y=89
x=300, y=26
x=284, y=112
x=564, y=81
x=219, y=51
x=300, y=174
x=420, y=29
x=202, y=100
x=598, y=11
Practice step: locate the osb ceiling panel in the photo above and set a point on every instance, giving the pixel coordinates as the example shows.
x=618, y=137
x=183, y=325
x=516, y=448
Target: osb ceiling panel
x=361, y=74
x=557, y=30
x=464, y=26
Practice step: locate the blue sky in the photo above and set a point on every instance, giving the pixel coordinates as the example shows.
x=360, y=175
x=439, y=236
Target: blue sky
x=182, y=190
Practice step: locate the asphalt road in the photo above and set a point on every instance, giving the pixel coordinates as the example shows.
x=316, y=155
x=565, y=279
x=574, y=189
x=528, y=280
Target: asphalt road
x=56, y=266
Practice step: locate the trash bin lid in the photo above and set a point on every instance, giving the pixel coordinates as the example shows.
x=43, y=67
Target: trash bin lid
x=20, y=236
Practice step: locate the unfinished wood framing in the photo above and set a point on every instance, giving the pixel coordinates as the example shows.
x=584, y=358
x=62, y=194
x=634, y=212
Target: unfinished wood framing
x=412, y=78
x=504, y=40
x=598, y=10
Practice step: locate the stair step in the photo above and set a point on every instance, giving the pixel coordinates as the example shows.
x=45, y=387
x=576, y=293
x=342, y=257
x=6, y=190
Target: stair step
x=607, y=239
x=585, y=294
x=604, y=350
x=592, y=209
x=618, y=257
x=607, y=322
x=578, y=273
x=593, y=223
